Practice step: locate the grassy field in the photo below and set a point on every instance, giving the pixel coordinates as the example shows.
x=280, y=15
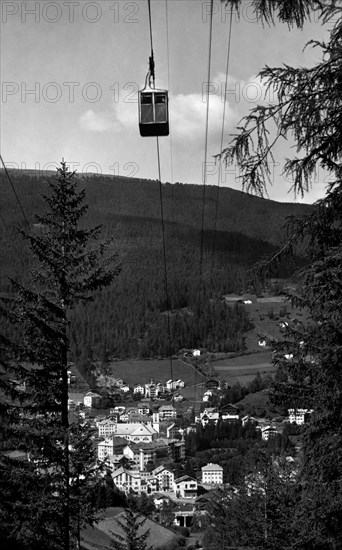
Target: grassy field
x=240, y=369
x=266, y=314
x=244, y=368
x=132, y=371
x=100, y=537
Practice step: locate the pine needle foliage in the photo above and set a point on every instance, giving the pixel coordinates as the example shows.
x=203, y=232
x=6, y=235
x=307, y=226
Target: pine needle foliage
x=135, y=535
x=47, y=464
x=307, y=110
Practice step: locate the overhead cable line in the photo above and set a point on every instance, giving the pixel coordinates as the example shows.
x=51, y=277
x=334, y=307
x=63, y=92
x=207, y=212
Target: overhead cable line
x=222, y=137
x=11, y=236
x=14, y=191
x=151, y=41
x=169, y=81
x=173, y=207
x=205, y=159
x=168, y=304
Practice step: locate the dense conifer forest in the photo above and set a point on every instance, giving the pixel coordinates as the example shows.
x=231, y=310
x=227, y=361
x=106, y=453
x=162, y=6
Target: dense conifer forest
x=130, y=318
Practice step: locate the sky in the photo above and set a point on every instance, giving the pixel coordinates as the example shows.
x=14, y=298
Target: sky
x=70, y=72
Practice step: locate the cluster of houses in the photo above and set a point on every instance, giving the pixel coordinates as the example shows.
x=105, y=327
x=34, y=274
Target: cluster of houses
x=139, y=444
x=214, y=414
x=151, y=390
x=117, y=387
x=139, y=456
x=155, y=389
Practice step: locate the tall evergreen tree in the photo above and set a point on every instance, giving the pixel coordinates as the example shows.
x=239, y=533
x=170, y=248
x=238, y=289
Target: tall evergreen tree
x=135, y=536
x=47, y=494
x=308, y=109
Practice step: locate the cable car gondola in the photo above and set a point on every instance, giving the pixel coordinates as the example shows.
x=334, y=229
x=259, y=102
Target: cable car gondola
x=153, y=109
x=153, y=102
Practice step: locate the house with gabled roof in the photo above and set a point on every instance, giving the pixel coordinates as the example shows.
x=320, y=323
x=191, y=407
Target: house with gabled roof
x=249, y=420
x=210, y=414
x=141, y=453
x=127, y=480
x=267, y=432
x=165, y=478
x=139, y=388
x=185, y=487
x=137, y=432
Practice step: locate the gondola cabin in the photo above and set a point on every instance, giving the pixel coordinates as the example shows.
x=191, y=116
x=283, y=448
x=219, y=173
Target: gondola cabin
x=153, y=112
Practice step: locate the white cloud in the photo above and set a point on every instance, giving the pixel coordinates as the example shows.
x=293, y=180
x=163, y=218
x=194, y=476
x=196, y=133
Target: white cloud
x=188, y=115
x=187, y=111
x=121, y=116
x=243, y=94
x=96, y=122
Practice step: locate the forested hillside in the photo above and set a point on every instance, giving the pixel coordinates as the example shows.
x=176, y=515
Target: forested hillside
x=129, y=319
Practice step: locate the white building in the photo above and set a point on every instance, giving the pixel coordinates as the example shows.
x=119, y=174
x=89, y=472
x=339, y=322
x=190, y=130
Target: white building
x=139, y=388
x=127, y=480
x=212, y=474
x=185, y=487
x=230, y=412
x=171, y=385
x=110, y=446
x=141, y=454
x=207, y=395
x=174, y=384
x=136, y=432
x=167, y=412
x=268, y=432
x=165, y=478
x=151, y=390
x=91, y=399
x=208, y=415
x=107, y=426
x=298, y=416
x=105, y=448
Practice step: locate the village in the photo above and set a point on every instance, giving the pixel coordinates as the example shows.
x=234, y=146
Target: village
x=140, y=441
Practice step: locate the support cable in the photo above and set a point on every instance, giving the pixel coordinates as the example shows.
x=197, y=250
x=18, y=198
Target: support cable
x=222, y=137
x=205, y=161
x=161, y=203
x=169, y=82
x=168, y=305
x=151, y=59
x=14, y=191
x=173, y=205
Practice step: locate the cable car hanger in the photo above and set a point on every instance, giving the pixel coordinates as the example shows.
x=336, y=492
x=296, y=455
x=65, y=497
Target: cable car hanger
x=153, y=103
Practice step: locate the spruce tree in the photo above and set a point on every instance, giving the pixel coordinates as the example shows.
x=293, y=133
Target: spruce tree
x=47, y=496
x=135, y=536
x=307, y=110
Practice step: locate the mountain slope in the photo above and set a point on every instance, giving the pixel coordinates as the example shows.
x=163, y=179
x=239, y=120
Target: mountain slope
x=126, y=320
